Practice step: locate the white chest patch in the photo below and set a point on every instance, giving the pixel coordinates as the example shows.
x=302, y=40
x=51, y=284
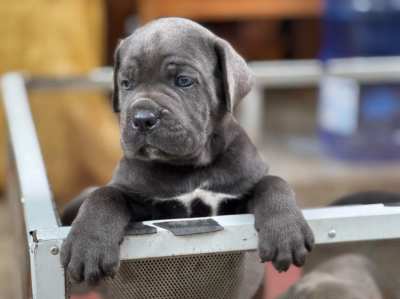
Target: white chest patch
x=210, y=198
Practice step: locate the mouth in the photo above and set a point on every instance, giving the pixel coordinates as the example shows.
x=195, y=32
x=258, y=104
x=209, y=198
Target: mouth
x=148, y=152
x=151, y=153
x=165, y=144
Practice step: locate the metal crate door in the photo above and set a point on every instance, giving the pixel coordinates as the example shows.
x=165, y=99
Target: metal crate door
x=201, y=276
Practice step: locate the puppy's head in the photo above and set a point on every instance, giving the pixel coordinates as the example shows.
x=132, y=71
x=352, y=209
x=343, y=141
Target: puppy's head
x=175, y=82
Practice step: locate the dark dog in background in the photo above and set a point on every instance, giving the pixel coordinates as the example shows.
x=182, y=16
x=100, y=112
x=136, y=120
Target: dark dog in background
x=175, y=87
x=355, y=270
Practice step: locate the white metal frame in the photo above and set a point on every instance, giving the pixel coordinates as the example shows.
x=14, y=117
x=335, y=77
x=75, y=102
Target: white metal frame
x=45, y=235
x=308, y=73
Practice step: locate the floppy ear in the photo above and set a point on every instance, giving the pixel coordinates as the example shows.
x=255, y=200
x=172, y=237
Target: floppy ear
x=236, y=75
x=115, y=93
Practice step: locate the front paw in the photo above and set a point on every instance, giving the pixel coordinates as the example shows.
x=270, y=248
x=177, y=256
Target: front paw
x=89, y=258
x=285, y=240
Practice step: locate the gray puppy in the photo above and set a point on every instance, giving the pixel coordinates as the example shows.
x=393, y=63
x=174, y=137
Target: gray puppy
x=348, y=276
x=175, y=87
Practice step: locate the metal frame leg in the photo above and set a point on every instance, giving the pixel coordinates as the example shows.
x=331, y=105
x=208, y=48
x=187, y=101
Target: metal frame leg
x=250, y=113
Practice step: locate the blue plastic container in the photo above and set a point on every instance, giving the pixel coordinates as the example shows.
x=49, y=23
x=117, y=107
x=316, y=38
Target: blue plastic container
x=360, y=121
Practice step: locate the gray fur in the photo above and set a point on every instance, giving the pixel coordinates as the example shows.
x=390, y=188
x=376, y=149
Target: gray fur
x=348, y=276
x=196, y=143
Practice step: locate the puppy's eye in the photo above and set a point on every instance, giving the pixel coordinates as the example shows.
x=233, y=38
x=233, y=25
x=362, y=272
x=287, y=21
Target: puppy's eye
x=126, y=84
x=183, y=81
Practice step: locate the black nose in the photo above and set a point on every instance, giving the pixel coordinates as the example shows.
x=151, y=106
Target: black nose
x=144, y=120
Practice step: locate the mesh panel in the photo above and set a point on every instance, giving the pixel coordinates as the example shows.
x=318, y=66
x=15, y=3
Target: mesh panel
x=210, y=276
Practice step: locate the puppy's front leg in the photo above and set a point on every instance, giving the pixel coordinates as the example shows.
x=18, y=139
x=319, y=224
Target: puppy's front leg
x=284, y=235
x=91, y=250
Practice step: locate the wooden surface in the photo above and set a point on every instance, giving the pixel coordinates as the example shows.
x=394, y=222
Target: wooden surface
x=222, y=10
x=78, y=132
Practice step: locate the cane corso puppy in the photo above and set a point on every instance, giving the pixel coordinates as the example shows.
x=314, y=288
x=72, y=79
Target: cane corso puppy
x=176, y=85
x=347, y=276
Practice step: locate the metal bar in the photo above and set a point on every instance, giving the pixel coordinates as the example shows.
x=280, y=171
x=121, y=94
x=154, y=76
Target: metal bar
x=35, y=191
x=286, y=73
x=367, y=69
x=330, y=225
x=48, y=281
x=238, y=234
x=249, y=113
x=354, y=223
x=268, y=74
x=308, y=73
x=99, y=78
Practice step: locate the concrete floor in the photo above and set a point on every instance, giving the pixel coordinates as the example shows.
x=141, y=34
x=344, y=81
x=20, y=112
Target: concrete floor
x=6, y=252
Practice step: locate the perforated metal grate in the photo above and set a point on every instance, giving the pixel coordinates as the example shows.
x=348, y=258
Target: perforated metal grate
x=210, y=276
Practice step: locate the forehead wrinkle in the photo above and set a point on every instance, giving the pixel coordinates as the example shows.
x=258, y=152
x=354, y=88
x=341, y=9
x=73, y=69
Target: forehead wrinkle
x=129, y=64
x=154, y=36
x=184, y=46
x=181, y=62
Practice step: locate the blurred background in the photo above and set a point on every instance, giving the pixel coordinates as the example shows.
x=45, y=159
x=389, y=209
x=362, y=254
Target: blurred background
x=325, y=121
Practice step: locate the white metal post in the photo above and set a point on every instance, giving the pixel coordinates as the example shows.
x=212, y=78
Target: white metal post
x=47, y=274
